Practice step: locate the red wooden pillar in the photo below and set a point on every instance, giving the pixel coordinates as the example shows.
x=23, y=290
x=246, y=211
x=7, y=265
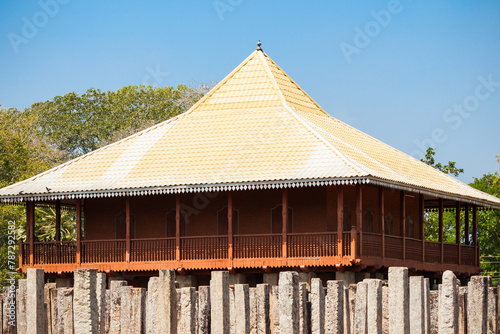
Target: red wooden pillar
x=457, y=230
x=359, y=217
x=284, y=219
x=381, y=210
x=58, y=221
x=402, y=219
x=440, y=215
x=466, y=223
x=127, y=228
x=178, y=228
x=78, y=231
x=30, y=229
x=474, y=235
x=230, y=227
x=340, y=220
x=421, y=210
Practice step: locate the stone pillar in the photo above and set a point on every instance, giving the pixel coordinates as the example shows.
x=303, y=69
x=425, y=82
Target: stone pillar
x=62, y=310
x=47, y=288
x=334, y=313
x=133, y=307
x=242, y=308
x=21, y=299
x=347, y=311
x=306, y=278
x=275, y=309
x=187, y=319
x=115, y=308
x=448, y=311
x=385, y=310
x=492, y=310
x=85, y=313
x=35, y=309
x=101, y=301
x=271, y=279
x=9, y=310
x=417, y=312
x=462, y=310
x=361, y=276
x=317, y=298
x=152, y=305
x=64, y=283
x=304, y=321
x=219, y=302
x=348, y=277
x=237, y=279
x=360, y=321
x=434, y=312
x=399, y=309
x=185, y=281
x=426, y=300
x=252, y=297
x=167, y=302
x=477, y=304
x=262, y=308
x=374, y=306
x=289, y=302
x=204, y=310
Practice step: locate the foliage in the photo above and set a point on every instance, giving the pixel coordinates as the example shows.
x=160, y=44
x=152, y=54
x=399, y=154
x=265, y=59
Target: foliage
x=449, y=168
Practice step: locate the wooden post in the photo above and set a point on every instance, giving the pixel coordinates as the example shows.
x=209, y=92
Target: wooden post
x=230, y=227
x=474, y=234
x=30, y=229
x=78, y=231
x=402, y=219
x=58, y=221
x=284, y=219
x=382, y=218
x=441, y=209
x=21, y=252
x=466, y=227
x=457, y=230
x=178, y=228
x=340, y=220
x=421, y=210
x=359, y=216
x=127, y=228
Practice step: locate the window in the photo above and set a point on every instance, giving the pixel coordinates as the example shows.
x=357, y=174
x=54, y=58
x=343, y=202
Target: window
x=170, y=224
x=222, y=221
x=121, y=226
x=347, y=218
x=410, y=228
x=389, y=223
x=277, y=219
x=368, y=221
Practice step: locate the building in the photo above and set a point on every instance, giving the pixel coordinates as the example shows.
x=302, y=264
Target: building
x=256, y=178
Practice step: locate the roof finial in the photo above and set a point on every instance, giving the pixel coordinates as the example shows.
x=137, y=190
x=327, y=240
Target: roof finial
x=258, y=46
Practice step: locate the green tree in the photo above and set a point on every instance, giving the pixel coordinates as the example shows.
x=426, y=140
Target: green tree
x=449, y=168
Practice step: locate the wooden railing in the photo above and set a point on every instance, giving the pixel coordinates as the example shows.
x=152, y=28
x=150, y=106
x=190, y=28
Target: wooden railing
x=413, y=249
x=204, y=248
x=152, y=250
x=432, y=252
x=312, y=244
x=254, y=246
x=372, y=244
x=95, y=251
x=393, y=247
x=53, y=253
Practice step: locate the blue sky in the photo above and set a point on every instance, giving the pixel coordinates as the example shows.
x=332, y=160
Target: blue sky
x=410, y=73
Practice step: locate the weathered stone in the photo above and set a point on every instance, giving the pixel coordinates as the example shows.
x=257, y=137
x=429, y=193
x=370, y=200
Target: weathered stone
x=462, y=310
x=360, y=320
x=115, y=306
x=385, y=310
x=203, y=310
x=303, y=314
x=85, y=313
x=219, y=302
x=427, y=315
x=21, y=299
x=434, y=312
x=187, y=319
x=448, y=312
x=237, y=279
x=361, y=276
x=289, y=302
x=417, y=316
x=178, y=306
x=35, y=309
x=152, y=305
x=374, y=306
x=492, y=310
x=232, y=310
x=107, y=319
x=242, y=309
x=347, y=311
x=9, y=310
x=348, y=277
x=275, y=310
x=185, y=281
x=62, y=310
x=262, y=307
x=133, y=305
x=317, y=298
x=64, y=283
x=48, y=287
x=334, y=312
x=306, y=278
x=477, y=304
x=101, y=301
x=252, y=297
x=399, y=309
x=167, y=302
x=271, y=279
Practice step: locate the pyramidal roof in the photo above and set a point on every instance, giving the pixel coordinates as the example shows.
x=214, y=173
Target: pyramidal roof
x=256, y=129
